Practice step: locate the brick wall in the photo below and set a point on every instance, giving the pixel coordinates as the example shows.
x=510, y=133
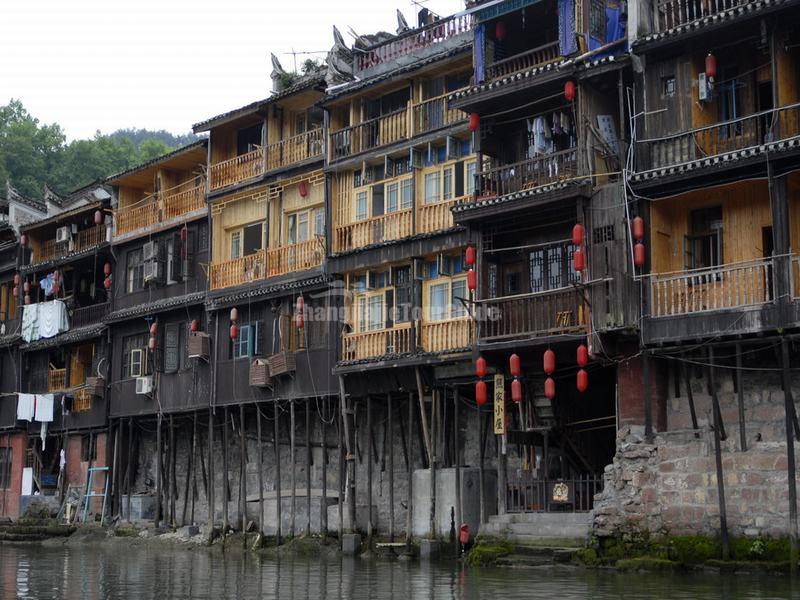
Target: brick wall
x=9, y=497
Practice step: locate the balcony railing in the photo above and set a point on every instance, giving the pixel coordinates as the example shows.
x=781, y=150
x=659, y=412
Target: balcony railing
x=526, y=493
x=529, y=174
x=434, y=113
x=381, y=342
x=238, y=271
x=712, y=140
x=295, y=149
x=437, y=216
x=716, y=288
x=380, y=131
x=56, y=380
x=413, y=41
x=83, y=240
x=391, y=226
x=236, y=170
x=525, y=60
x=441, y=336
x=144, y=214
x=169, y=204
x=184, y=201
x=674, y=13
x=88, y=315
x=295, y=257
x=539, y=314
x=82, y=401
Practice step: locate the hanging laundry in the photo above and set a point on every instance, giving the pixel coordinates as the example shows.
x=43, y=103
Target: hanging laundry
x=539, y=141
x=43, y=434
x=30, y=323
x=52, y=318
x=47, y=284
x=44, y=408
x=62, y=460
x=25, y=407
x=557, y=124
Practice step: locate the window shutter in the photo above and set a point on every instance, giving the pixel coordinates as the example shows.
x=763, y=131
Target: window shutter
x=459, y=185
x=171, y=348
x=257, y=342
x=389, y=307
x=175, y=268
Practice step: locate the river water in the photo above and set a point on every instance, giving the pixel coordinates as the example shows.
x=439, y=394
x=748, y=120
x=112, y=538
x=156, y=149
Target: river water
x=99, y=572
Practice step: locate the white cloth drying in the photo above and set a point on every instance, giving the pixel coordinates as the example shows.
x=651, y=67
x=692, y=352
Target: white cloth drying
x=52, y=318
x=25, y=407
x=44, y=408
x=30, y=322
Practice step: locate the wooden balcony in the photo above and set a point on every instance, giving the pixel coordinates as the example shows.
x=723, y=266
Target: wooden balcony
x=434, y=113
x=237, y=170
x=56, y=380
x=674, y=13
x=295, y=257
x=441, y=336
x=295, y=149
x=437, y=216
x=139, y=216
x=391, y=226
x=381, y=131
x=170, y=204
x=712, y=289
x=713, y=140
x=535, y=57
x=83, y=240
x=529, y=174
x=540, y=314
x=183, y=201
x=88, y=315
x=238, y=271
x=413, y=41
x=82, y=401
x=381, y=342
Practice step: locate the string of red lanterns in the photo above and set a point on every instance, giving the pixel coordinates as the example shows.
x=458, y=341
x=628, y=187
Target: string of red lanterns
x=300, y=317
x=153, y=333
x=637, y=231
x=234, y=331
x=549, y=365
x=578, y=256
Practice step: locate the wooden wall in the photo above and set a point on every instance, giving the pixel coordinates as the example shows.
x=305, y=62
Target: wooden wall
x=289, y=200
x=234, y=211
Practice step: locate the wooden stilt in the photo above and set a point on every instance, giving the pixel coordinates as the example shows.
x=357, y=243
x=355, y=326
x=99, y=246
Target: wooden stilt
x=370, y=449
x=194, y=465
x=225, y=490
x=403, y=442
x=188, y=474
x=740, y=398
x=410, y=469
x=723, y=516
x=323, y=514
x=390, y=434
x=340, y=499
x=648, y=406
x=260, y=455
x=276, y=445
x=159, y=483
x=129, y=468
x=457, y=456
x=481, y=477
x=293, y=474
x=426, y=435
x=308, y=466
x=115, y=470
x=690, y=396
x=210, y=485
x=173, y=482
x=790, y=460
x=242, y=471
x=432, y=433
x=349, y=433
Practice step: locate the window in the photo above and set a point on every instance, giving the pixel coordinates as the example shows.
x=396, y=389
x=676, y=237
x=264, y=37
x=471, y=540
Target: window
x=370, y=312
x=432, y=191
x=297, y=225
x=249, y=341
x=134, y=356
x=668, y=86
x=319, y=221
x=392, y=197
x=402, y=294
x=703, y=245
x=88, y=447
x=8, y=302
x=406, y=193
x=5, y=467
x=172, y=344
x=550, y=267
x=247, y=138
x=444, y=296
x=135, y=270
x=236, y=244
x=730, y=101
x=173, y=254
x=361, y=206
x=252, y=238
x=471, y=169
x=447, y=183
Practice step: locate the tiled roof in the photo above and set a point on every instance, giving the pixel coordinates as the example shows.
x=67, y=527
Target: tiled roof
x=541, y=190
x=409, y=238
x=261, y=291
x=69, y=337
x=159, y=159
x=405, y=356
x=155, y=307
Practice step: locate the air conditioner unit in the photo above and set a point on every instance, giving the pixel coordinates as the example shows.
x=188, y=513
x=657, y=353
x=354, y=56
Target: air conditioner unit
x=150, y=251
x=144, y=385
x=63, y=234
x=152, y=270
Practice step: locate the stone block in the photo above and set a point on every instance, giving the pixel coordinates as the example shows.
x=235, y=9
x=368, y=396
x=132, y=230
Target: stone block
x=351, y=544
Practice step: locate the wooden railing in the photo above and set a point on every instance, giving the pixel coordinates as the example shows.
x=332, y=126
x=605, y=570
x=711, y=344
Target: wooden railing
x=56, y=380
x=532, y=315
x=83, y=240
x=88, y=315
x=237, y=271
x=381, y=131
x=381, y=342
x=295, y=257
x=436, y=216
x=529, y=174
x=712, y=140
x=144, y=214
x=183, y=202
x=163, y=206
x=413, y=41
x=295, y=149
x=82, y=401
x=440, y=336
x=674, y=13
x=434, y=113
x=526, y=493
x=391, y=226
x=525, y=60
x=236, y=170
x=716, y=288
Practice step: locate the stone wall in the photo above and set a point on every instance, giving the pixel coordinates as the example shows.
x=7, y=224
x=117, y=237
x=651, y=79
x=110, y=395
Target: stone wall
x=669, y=486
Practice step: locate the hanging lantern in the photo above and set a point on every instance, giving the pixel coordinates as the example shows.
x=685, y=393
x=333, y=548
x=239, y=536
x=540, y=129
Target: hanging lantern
x=154, y=328
x=234, y=332
x=234, y=314
x=55, y=288
x=151, y=343
x=472, y=280
x=56, y=275
x=637, y=228
x=194, y=325
x=549, y=362
x=16, y=291
x=300, y=319
x=500, y=31
x=480, y=367
x=98, y=217
x=26, y=286
x=583, y=380
x=639, y=254
x=470, y=256
x=579, y=260
x=480, y=393
x=583, y=355
x=107, y=283
x=711, y=66
x=27, y=299
x=107, y=269
x=516, y=390
x=16, y=279
x=303, y=189
x=549, y=388
x=514, y=365
x=474, y=121
x=577, y=234
x=569, y=90
x=23, y=239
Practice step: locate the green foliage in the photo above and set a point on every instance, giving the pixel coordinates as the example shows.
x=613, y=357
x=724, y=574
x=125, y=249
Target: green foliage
x=309, y=65
x=588, y=556
x=285, y=80
x=32, y=153
x=646, y=563
x=486, y=551
x=694, y=550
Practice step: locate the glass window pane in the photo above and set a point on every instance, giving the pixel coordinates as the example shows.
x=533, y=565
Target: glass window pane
x=391, y=197
x=319, y=222
x=431, y=187
x=438, y=299
x=375, y=313
x=361, y=206
x=407, y=193
x=458, y=290
x=236, y=244
x=447, y=187
x=469, y=186
x=302, y=226
x=291, y=229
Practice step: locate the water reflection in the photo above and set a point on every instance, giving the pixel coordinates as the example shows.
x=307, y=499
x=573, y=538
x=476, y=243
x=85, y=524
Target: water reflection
x=115, y=571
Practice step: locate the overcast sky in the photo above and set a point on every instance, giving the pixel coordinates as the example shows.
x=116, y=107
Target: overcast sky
x=166, y=64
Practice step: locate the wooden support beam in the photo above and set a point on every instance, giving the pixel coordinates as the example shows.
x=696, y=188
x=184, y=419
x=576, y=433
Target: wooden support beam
x=225, y=491
x=129, y=469
x=433, y=457
x=323, y=516
x=242, y=471
x=426, y=435
x=390, y=433
x=173, y=480
x=340, y=482
x=349, y=438
x=457, y=456
x=210, y=487
x=159, y=465
x=790, y=460
x=740, y=398
x=410, y=469
x=308, y=466
x=370, y=456
x=189, y=467
x=723, y=516
x=648, y=405
x=481, y=469
x=690, y=396
x=277, y=448
x=260, y=456
x=293, y=474
x=403, y=442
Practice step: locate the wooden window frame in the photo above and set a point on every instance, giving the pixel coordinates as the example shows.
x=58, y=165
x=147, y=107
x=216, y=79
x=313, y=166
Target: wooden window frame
x=450, y=312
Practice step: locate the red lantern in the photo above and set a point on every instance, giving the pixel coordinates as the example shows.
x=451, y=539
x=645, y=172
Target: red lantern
x=107, y=269
x=154, y=328
x=549, y=388
x=300, y=317
x=480, y=367
x=55, y=288
x=194, y=325
x=107, y=283
x=474, y=121
x=26, y=286
x=472, y=280
x=577, y=234
x=500, y=31
x=516, y=390
x=514, y=365
x=463, y=535
x=303, y=189
x=16, y=279
x=234, y=314
x=569, y=91
x=234, y=332
x=151, y=343
x=549, y=362
x=583, y=355
x=480, y=393
x=98, y=217
x=711, y=66
x=637, y=228
x=470, y=256
x=583, y=380
x=579, y=260
x=16, y=291
x=56, y=275
x=27, y=299
x=639, y=254
x=23, y=239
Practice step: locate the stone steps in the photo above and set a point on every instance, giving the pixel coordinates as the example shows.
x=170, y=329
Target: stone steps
x=32, y=532
x=540, y=529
